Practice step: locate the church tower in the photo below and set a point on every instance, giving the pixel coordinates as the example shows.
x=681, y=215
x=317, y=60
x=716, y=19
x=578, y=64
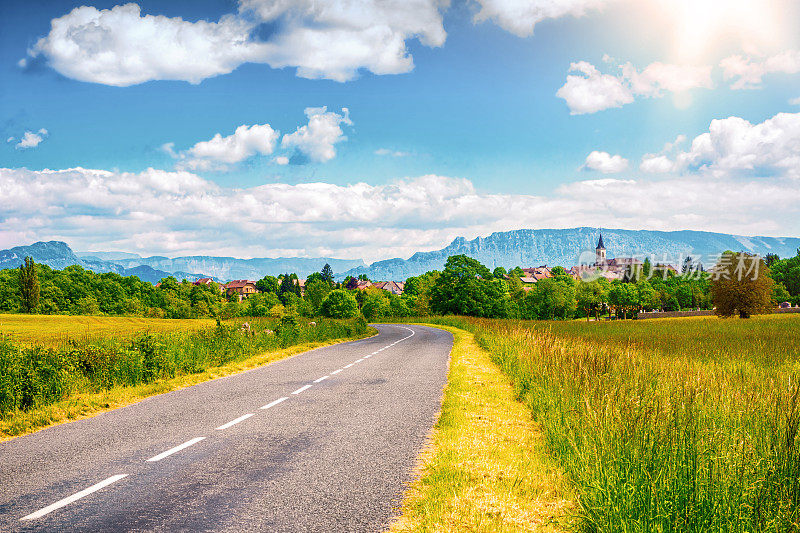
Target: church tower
x=600, y=251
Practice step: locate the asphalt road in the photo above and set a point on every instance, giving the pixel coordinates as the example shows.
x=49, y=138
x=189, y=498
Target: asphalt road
x=333, y=455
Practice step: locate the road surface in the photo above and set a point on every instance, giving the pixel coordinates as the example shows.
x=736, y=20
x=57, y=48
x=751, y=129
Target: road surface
x=322, y=441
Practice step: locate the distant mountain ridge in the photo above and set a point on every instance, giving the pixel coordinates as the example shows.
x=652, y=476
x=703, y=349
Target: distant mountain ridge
x=59, y=255
x=524, y=247
x=529, y=247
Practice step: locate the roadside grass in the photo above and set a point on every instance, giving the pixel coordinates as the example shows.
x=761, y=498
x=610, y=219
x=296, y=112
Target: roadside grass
x=668, y=425
x=42, y=386
x=53, y=330
x=486, y=468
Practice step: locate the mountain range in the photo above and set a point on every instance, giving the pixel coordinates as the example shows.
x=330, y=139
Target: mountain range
x=524, y=247
x=569, y=247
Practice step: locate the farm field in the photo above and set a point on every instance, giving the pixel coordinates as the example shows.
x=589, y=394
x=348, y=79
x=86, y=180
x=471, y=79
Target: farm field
x=680, y=424
x=52, y=330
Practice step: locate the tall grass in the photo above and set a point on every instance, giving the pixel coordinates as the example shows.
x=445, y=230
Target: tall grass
x=679, y=425
x=36, y=376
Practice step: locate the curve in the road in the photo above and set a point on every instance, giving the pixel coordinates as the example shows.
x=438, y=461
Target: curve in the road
x=318, y=442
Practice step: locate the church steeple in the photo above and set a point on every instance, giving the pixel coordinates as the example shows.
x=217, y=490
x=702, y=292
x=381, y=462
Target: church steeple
x=600, y=251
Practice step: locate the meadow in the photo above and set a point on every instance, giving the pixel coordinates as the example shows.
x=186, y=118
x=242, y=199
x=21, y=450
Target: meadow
x=663, y=425
x=54, y=330
x=34, y=376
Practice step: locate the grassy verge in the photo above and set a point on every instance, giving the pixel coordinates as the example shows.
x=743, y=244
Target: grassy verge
x=56, y=385
x=690, y=425
x=485, y=468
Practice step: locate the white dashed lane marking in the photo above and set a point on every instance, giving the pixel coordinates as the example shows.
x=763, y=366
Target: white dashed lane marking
x=236, y=421
x=301, y=389
x=273, y=404
x=77, y=496
x=323, y=378
x=336, y=371
x=176, y=449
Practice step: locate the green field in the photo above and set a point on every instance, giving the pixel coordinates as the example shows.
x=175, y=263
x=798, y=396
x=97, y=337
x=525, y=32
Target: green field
x=664, y=425
x=53, y=330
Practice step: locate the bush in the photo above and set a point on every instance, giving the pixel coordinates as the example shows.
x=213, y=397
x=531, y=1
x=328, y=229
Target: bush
x=339, y=303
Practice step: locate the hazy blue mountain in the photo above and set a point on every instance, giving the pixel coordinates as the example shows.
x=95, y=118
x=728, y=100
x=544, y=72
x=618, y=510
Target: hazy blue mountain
x=58, y=255
x=55, y=254
x=527, y=247
x=233, y=268
x=107, y=256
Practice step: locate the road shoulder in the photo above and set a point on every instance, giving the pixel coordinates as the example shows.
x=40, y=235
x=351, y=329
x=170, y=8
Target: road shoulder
x=485, y=468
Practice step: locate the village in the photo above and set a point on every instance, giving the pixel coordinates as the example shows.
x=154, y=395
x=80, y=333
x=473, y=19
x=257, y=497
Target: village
x=610, y=269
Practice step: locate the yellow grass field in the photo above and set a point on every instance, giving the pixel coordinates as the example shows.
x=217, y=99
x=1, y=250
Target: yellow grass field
x=52, y=330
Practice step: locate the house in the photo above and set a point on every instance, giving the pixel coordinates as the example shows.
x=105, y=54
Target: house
x=358, y=284
x=203, y=281
x=243, y=287
x=394, y=287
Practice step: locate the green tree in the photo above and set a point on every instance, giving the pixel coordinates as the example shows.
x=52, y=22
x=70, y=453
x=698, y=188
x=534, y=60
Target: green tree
x=327, y=273
x=267, y=284
x=466, y=287
x=787, y=272
x=376, y=304
x=288, y=285
x=339, y=303
x=590, y=297
x=29, y=286
x=316, y=291
x=741, y=284
x=499, y=272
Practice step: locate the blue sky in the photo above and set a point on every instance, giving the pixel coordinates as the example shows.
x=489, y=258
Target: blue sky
x=484, y=132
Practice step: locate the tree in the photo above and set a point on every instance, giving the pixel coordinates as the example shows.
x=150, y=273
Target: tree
x=29, y=286
x=288, y=286
x=741, y=284
x=376, y=304
x=316, y=291
x=466, y=287
x=327, y=273
x=787, y=271
x=770, y=259
x=590, y=296
x=499, y=272
x=267, y=284
x=339, y=303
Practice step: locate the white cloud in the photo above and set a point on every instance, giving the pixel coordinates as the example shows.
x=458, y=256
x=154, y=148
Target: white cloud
x=333, y=39
x=593, y=91
x=281, y=160
x=120, y=47
x=393, y=153
x=179, y=213
x=219, y=152
x=316, y=139
x=521, y=16
x=748, y=73
x=244, y=143
x=656, y=164
x=605, y=162
x=321, y=39
x=735, y=147
x=29, y=139
x=795, y=101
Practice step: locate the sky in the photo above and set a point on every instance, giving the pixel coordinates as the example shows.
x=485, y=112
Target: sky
x=377, y=128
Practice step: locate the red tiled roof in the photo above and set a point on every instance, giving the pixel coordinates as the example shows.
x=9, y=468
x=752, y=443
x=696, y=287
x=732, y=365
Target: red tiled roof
x=239, y=283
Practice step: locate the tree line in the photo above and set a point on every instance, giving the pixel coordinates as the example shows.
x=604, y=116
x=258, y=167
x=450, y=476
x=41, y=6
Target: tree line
x=463, y=287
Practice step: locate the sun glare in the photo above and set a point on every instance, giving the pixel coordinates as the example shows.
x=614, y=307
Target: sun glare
x=702, y=27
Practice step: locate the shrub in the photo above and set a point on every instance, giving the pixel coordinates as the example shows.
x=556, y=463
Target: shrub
x=339, y=303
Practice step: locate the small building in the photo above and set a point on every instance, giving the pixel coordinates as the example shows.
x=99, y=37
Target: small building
x=243, y=287
x=394, y=287
x=358, y=284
